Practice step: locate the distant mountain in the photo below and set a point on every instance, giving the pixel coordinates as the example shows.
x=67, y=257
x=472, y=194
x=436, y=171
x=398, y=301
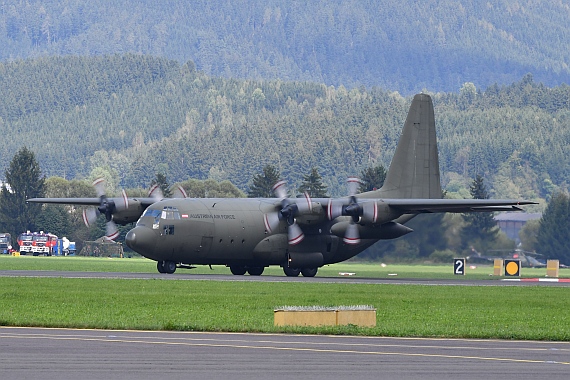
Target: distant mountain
x=404, y=46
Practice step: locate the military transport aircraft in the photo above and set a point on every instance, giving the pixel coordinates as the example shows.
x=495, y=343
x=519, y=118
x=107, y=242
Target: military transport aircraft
x=298, y=234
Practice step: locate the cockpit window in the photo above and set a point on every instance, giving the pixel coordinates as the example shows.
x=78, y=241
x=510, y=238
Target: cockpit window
x=153, y=213
x=170, y=213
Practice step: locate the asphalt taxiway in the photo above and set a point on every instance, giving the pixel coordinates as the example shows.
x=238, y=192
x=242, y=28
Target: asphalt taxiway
x=223, y=277
x=32, y=353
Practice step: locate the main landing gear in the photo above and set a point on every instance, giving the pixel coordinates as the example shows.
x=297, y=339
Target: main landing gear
x=166, y=266
x=306, y=272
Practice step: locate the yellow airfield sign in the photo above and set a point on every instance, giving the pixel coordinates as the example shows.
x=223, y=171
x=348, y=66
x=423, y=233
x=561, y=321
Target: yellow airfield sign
x=512, y=268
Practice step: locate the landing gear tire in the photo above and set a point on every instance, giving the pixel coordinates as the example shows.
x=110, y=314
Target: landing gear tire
x=166, y=267
x=169, y=267
x=291, y=272
x=237, y=270
x=309, y=272
x=255, y=271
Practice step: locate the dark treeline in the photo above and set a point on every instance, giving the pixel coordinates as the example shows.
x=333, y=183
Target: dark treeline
x=134, y=116
x=404, y=45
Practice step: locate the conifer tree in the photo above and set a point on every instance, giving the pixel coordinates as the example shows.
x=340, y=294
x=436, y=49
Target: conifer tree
x=162, y=183
x=262, y=186
x=24, y=180
x=372, y=178
x=554, y=230
x=479, y=225
x=313, y=184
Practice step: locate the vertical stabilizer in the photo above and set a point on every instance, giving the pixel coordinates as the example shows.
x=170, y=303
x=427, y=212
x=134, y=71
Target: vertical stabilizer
x=414, y=171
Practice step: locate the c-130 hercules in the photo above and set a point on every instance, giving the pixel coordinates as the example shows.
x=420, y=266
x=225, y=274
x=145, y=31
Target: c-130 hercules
x=298, y=234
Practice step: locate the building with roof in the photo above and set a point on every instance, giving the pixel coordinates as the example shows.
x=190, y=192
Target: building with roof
x=512, y=222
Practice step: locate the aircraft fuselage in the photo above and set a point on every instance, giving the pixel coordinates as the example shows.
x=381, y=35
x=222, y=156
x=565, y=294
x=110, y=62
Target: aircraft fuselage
x=232, y=232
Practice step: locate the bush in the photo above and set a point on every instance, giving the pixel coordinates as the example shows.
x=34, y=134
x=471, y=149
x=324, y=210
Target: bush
x=444, y=256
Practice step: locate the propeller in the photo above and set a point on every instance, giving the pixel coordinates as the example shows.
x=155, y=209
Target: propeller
x=106, y=207
x=358, y=211
x=289, y=209
x=156, y=193
x=179, y=192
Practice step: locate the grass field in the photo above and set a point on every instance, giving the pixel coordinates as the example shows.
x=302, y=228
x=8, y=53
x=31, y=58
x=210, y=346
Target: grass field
x=402, y=310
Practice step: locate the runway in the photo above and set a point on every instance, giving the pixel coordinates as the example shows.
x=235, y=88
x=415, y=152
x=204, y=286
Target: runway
x=31, y=353
x=222, y=277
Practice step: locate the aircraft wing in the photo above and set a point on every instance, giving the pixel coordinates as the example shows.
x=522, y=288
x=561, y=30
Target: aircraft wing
x=144, y=202
x=67, y=201
x=419, y=206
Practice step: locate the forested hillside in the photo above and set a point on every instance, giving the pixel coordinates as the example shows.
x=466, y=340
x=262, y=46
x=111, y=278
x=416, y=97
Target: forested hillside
x=404, y=46
x=135, y=116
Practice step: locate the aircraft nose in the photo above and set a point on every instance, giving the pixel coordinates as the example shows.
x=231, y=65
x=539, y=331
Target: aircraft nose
x=140, y=239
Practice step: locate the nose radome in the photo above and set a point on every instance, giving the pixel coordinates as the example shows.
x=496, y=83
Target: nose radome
x=141, y=240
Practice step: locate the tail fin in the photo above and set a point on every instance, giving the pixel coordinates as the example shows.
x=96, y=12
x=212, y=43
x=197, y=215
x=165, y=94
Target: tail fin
x=414, y=171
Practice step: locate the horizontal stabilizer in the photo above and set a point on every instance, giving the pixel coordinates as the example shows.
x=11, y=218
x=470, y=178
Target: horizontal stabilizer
x=419, y=206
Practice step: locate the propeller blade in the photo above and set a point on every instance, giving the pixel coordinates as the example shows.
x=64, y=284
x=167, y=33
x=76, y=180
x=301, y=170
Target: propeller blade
x=156, y=192
x=280, y=189
x=334, y=209
x=99, y=185
x=179, y=192
x=351, y=236
x=271, y=221
x=112, y=231
x=353, y=185
x=370, y=211
x=123, y=202
x=89, y=216
x=295, y=234
x=304, y=204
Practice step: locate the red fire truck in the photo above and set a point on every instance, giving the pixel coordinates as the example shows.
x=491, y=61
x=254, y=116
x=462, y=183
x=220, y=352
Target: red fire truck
x=25, y=241
x=43, y=244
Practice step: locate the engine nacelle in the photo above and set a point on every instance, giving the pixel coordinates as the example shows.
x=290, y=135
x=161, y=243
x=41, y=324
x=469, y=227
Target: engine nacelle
x=130, y=214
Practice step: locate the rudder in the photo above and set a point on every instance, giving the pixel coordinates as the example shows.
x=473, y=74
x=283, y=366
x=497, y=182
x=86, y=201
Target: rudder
x=414, y=171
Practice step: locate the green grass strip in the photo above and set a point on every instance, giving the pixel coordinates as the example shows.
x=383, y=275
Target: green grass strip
x=349, y=269
x=506, y=312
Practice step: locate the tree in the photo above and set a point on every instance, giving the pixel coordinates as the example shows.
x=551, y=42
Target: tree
x=554, y=229
x=210, y=188
x=372, y=178
x=528, y=235
x=479, y=226
x=55, y=219
x=162, y=183
x=262, y=186
x=312, y=184
x=23, y=181
x=73, y=228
